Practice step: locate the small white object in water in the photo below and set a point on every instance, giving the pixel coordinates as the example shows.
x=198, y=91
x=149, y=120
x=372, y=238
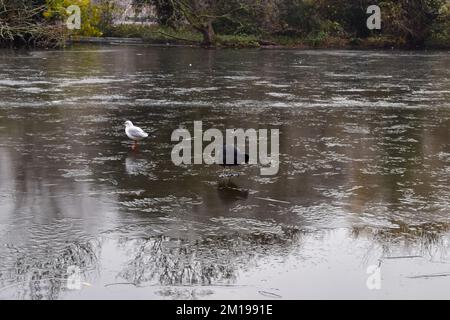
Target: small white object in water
x=134, y=133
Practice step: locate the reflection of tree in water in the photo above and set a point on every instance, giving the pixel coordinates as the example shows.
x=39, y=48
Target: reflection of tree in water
x=211, y=260
x=426, y=238
x=39, y=277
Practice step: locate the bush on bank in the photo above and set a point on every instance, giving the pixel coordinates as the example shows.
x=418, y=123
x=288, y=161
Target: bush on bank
x=90, y=15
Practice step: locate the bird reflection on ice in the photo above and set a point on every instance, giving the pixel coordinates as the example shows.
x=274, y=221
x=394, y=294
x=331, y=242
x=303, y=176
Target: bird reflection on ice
x=137, y=164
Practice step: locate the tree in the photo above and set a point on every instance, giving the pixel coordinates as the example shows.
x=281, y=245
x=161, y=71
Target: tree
x=202, y=14
x=411, y=20
x=22, y=23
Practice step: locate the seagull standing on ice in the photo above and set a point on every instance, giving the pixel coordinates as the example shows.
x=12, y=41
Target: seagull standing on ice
x=134, y=133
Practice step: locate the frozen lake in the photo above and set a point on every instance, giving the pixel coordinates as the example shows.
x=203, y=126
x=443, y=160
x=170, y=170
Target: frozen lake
x=364, y=179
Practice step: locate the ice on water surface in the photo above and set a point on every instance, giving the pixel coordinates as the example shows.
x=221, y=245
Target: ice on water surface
x=364, y=174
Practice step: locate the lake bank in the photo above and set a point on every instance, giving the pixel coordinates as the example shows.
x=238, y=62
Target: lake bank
x=263, y=44
x=156, y=35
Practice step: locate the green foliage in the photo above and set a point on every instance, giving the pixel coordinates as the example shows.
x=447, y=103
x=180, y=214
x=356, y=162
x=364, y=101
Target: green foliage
x=317, y=38
x=298, y=17
x=155, y=34
x=237, y=41
x=90, y=15
x=440, y=30
x=410, y=20
x=385, y=42
x=107, y=11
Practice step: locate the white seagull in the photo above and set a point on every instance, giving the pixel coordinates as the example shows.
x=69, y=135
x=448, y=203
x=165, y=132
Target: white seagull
x=134, y=133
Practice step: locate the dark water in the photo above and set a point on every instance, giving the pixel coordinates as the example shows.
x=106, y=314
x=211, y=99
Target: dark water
x=364, y=176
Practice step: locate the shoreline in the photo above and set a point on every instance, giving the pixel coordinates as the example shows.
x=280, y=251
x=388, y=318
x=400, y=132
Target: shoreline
x=340, y=44
x=262, y=45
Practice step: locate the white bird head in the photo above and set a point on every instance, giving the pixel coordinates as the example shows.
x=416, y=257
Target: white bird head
x=128, y=124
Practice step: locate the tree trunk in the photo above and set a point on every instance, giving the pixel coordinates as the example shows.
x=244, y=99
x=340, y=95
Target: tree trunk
x=208, y=34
